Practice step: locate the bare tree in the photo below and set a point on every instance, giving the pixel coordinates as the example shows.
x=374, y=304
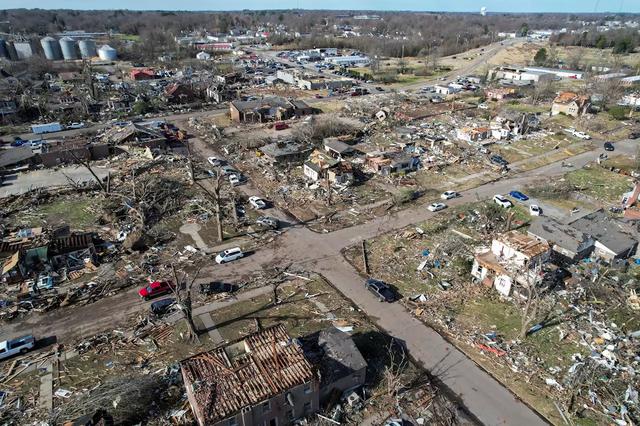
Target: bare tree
x=182, y=292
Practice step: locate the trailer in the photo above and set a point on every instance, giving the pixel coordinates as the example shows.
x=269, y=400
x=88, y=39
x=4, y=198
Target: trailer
x=46, y=128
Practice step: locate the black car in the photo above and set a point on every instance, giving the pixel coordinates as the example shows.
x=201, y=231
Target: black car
x=496, y=159
x=163, y=306
x=217, y=287
x=608, y=146
x=381, y=290
x=634, y=135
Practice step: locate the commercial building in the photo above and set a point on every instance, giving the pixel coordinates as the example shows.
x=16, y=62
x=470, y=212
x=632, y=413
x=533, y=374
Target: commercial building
x=349, y=60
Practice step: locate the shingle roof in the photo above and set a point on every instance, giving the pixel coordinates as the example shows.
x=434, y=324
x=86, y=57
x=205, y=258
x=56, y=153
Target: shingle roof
x=609, y=232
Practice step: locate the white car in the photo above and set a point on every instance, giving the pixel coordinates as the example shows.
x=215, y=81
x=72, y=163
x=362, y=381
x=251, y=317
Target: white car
x=535, y=210
x=436, y=207
x=447, y=195
x=582, y=135
x=257, y=203
x=502, y=202
x=234, y=179
x=214, y=161
x=483, y=106
x=75, y=126
x=229, y=255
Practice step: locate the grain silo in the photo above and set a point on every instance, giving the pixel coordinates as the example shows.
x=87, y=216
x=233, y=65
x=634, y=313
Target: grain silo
x=51, y=49
x=4, y=53
x=107, y=53
x=69, y=48
x=87, y=48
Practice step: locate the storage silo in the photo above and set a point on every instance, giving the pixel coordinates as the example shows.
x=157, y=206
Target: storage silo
x=4, y=53
x=107, y=53
x=51, y=49
x=11, y=50
x=87, y=48
x=68, y=46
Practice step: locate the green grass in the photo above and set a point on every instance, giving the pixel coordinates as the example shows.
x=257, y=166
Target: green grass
x=75, y=212
x=600, y=183
x=301, y=316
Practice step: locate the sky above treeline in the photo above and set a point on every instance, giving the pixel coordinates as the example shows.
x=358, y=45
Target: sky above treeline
x=562, y=6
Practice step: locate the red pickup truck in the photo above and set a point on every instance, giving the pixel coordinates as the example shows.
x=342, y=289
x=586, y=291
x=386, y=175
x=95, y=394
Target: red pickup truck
x=154, y=289
x=281, y=126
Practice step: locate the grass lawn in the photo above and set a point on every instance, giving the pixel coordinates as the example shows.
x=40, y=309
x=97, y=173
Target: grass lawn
x=77, y=213
x=301, y=315
x=600, y=184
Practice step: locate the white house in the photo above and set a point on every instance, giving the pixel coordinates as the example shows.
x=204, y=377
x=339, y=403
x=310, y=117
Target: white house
x=511, y=255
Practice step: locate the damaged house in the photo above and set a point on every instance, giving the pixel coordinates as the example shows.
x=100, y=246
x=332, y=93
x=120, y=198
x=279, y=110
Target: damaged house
x=508, y=125
x=341, y=365
x=473, y=134
x=512, y=256
x=569, y=103
x=322, y=166
x=388, y=163
x=593, y=235
x=262, y=379
x=267, y=109
x=136, y=135
x=285, y=152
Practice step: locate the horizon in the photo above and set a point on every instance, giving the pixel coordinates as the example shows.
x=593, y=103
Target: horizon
x=406, y=6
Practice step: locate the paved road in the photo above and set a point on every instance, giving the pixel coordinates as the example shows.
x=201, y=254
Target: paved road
x=481, y=394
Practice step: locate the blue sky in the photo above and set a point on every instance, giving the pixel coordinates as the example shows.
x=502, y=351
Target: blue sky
x=431, y=5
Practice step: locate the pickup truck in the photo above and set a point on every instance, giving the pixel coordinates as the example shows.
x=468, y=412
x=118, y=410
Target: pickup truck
x=20, y=345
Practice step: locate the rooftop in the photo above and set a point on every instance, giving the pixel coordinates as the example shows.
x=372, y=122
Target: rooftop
x=523, y=243
x=245, y=373
x=608, y=231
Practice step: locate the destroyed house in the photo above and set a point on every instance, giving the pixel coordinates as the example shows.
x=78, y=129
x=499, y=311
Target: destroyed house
x=512, y=255
x=262, y=379
x=135, y=134
x=283, y=152
x=179, y=94
x=341, y=365
x=17, y=157
x=321, y=165
x=267, y=109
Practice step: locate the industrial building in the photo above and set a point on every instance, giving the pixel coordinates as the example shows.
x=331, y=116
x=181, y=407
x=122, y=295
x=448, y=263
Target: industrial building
x=51, y=49
x=349, y=60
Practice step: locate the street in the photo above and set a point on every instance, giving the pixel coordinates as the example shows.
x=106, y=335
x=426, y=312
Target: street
x=322, y=253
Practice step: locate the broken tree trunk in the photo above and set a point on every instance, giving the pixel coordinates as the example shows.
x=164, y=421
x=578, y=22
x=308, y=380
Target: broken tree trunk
x=365, y=260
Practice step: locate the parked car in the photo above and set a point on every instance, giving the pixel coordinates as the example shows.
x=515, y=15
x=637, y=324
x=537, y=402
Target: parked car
x=16, y=346
x=268, y=222
x=76, y=125
x=234, y=179
x=162, y=306
x=497, y=159
x=436, y=207
x=257, y=203
x=634, y=135
x=502, y=202
x=228, y=170
x=18, y=142
x=215, y=287
x=535, y=210
x=483, y=106
x=608, y=146
x=215, y=161
x=518, y=195
x=281, y=125
x=380, y=289
x=155, y=289
x=229, y=255
x=447, y=195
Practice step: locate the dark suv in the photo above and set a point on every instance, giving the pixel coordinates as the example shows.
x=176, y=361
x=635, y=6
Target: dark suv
x=381, y=290
x=496, y=159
